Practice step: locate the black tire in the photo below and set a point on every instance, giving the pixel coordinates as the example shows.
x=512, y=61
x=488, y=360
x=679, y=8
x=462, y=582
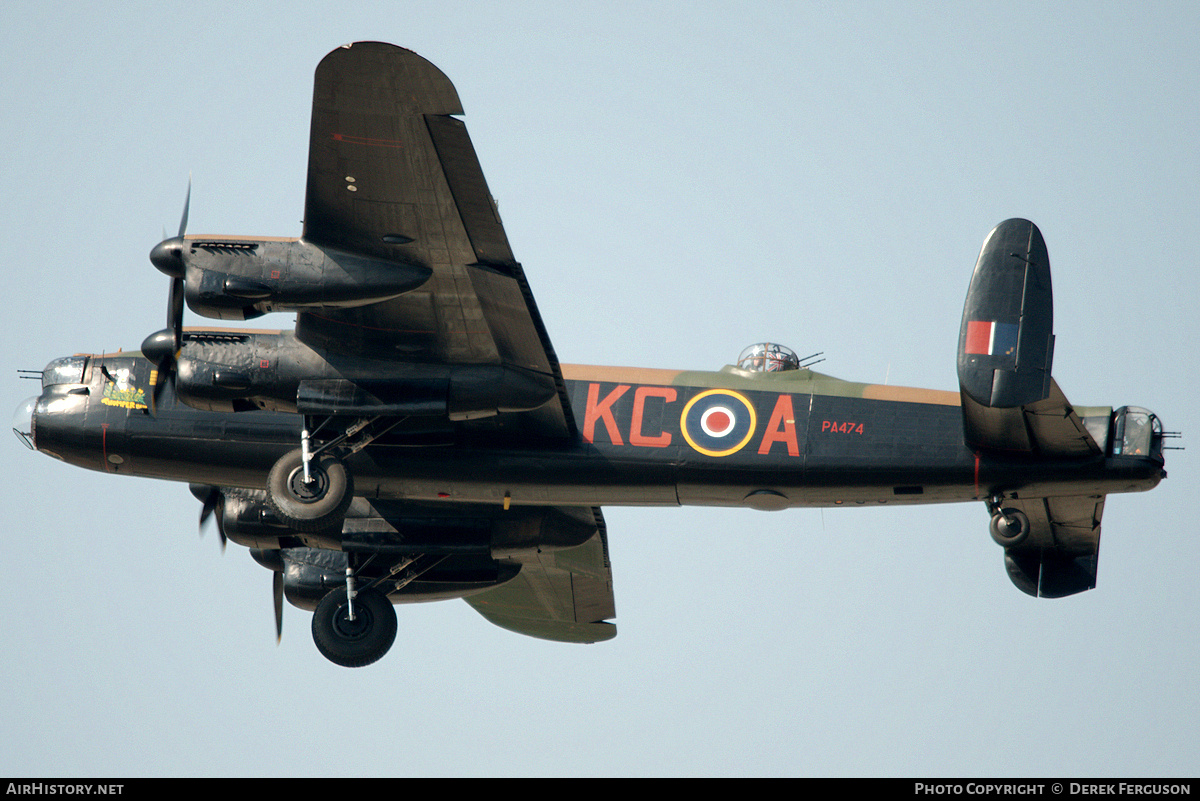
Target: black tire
x=314, y=507
x=1009, y=527
x=358, y=642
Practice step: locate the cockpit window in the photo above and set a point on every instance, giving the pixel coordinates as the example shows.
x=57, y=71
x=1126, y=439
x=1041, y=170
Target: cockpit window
x=767, y=357
x=67, y=370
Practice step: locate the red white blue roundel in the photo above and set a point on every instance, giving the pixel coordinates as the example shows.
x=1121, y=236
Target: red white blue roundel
x=718, y=422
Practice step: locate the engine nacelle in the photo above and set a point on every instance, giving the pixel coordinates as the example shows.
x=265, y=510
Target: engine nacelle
x=230, y=371
x=233, y=371
x=239, y=278
x=247, y=519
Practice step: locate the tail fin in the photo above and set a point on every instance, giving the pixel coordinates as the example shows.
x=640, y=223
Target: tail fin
x=1006, y=343
x=1005, y=350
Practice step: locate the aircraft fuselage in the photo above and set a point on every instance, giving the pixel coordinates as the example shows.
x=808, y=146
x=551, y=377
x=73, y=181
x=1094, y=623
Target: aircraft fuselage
x=644, y=437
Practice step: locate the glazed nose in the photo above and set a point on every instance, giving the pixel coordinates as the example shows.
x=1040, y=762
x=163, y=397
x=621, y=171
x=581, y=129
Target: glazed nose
x=23, y=421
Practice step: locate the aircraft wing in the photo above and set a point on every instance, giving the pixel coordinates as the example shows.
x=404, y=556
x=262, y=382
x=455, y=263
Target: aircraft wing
x=564, y=594
x=1059, y=557
x=392, y=175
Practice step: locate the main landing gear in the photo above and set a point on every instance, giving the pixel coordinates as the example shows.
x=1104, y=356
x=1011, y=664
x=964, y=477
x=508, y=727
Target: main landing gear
x=355, y=627
x=310, y=488
x=354, y=631
x=310, y=497
x=1009, y=526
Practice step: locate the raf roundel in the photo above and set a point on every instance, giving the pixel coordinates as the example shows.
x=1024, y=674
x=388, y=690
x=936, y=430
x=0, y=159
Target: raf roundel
x=718, y=422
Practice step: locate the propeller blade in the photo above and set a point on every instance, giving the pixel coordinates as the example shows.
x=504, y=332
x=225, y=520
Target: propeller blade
x=187, y=202
x=214, y=501
x=175, y=313
x=159, y=348
x=277, y=593
x=210, y=505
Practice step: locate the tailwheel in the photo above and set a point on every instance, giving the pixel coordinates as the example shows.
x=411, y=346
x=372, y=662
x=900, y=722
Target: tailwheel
x=354, y=634
x=310, y=500
x=1009, y=527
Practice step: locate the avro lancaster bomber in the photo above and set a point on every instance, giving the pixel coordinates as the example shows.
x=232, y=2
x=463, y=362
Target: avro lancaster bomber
x=414, y=437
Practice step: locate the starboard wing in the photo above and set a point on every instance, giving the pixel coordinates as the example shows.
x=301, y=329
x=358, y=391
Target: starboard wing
x=392, y=174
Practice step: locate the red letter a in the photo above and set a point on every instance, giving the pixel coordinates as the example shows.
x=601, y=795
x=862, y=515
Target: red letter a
x=782, y=428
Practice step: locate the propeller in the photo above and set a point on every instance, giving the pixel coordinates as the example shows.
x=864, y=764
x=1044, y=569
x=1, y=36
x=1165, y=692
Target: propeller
x=213, y=501
x=277, y=594
x=162, y=347
x=272, y=559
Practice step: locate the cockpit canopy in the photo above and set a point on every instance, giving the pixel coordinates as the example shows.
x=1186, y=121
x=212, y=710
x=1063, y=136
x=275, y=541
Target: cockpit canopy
x=768, y=357
x=67, y=370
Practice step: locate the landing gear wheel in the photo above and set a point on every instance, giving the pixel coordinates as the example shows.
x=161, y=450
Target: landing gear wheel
x=1009, y=527
x=358, y=642
x=312, y=506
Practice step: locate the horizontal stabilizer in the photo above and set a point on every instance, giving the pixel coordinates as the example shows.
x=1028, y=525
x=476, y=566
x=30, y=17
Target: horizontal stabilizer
x=1006, y=343
x=1049, y=427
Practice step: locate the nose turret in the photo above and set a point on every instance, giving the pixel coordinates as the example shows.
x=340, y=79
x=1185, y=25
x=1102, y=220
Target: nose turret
x=23, y=422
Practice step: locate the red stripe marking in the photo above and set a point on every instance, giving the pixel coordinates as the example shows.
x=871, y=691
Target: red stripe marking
x=979, y=338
